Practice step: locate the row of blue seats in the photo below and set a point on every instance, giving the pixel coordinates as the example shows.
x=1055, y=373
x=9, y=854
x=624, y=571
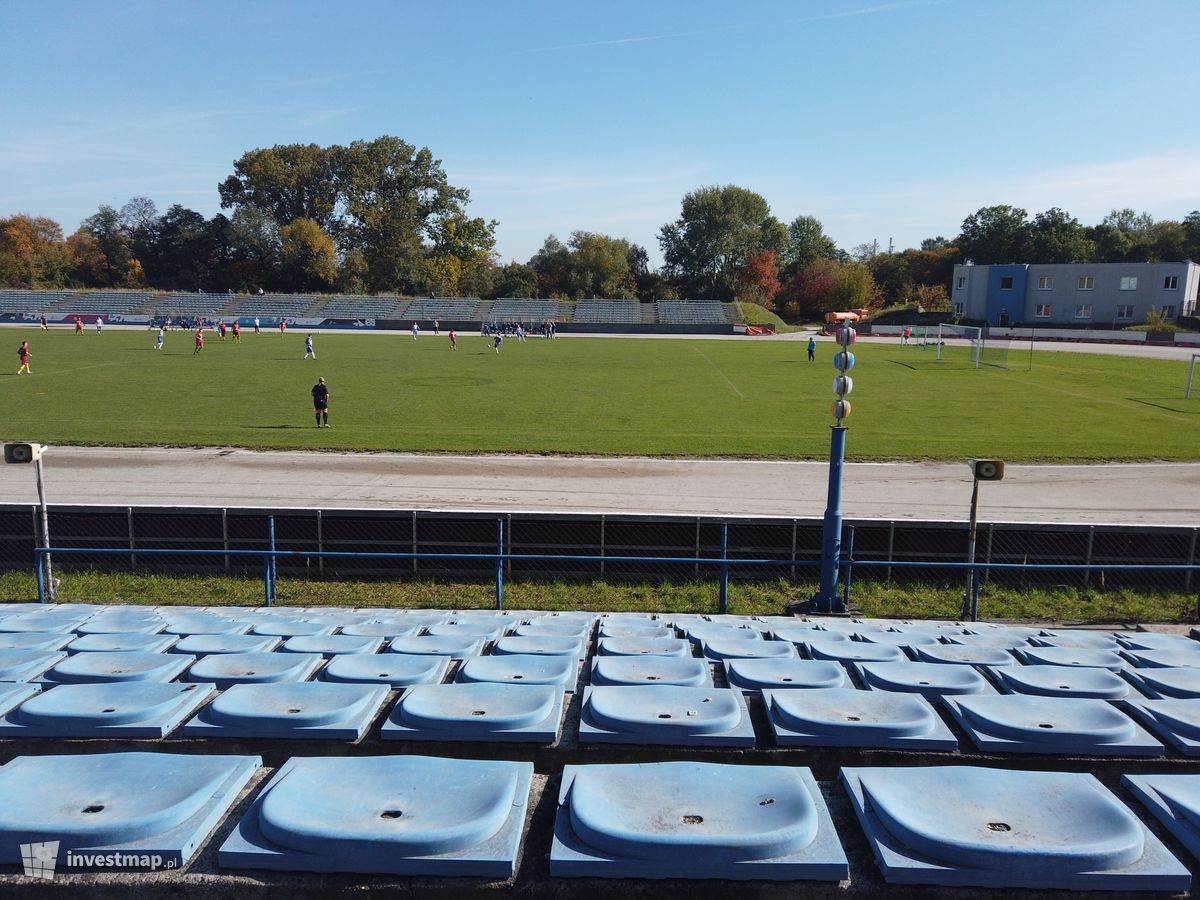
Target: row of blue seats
x=419, y=815
x=271, y=696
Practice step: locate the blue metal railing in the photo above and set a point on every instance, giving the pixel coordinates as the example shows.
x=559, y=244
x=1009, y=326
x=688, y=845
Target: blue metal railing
x=723, y=563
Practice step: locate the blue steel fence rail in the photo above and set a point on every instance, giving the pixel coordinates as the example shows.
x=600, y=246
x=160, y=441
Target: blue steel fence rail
x=723, y=564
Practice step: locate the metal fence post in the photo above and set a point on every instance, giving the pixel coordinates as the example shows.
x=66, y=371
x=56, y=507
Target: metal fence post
x=225, y=534
x=320, y=544
x=132, y=542
x=602, y=546
x=848, y=562
x=1087, y=561
x=891, y=545
x=271, y=572
x=724, y=600
x=500, y=564
x=41, y=576
x=1187, y=577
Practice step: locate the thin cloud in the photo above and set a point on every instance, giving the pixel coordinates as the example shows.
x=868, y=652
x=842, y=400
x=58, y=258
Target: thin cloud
x=320, y=116
x=741, y=26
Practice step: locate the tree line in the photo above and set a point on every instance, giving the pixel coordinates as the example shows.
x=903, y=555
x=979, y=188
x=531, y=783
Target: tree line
x=381, y=216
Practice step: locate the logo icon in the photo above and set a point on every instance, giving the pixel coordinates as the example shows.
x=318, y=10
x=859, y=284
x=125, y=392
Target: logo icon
x=39, y=859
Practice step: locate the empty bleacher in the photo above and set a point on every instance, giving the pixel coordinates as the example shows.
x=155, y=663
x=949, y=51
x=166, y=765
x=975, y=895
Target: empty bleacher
x=603, y=311
x=107, y=303
x=452, y=309
x=21, y=301
x=511, y=309
x=358, y=306
x=187, y=304
x=694, y=312
x=274, y=306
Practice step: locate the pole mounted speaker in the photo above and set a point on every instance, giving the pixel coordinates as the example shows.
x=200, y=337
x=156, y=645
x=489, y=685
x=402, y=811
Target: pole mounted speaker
x=988, y=469
x=22, y=453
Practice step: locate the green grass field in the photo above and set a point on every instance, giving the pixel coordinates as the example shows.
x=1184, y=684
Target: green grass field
x=744, y=398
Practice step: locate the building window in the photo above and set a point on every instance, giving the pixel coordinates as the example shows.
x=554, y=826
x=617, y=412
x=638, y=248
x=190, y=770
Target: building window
x=1085, y=282
x=959, y=309
x=1125, y=311
x=1043, y=311
x=1045, y=282
x=1083, y=310
x=1171, y=282
x=1129, y=283
x=1168, y=312
x=1006, y=283
x=961, y=283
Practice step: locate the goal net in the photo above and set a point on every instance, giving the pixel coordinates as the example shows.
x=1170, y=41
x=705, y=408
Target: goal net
x=972, y=346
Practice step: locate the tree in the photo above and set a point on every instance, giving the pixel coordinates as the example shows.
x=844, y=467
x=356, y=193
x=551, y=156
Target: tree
x=932, y=265
x=1057, y=237
x=719, y=229
x=33, y=253
x=442, y=274
x=1191, y=235
x=996, y=234
x=806, y=242
x=515, y=280
x=891, y=273
x=105, y=228
x=552, y=264
x=256, y=249
x=808, y=295
x=180, y=258
x=1124, y=236
x=932, y=297
x=599, y=266
x=290, y=181
x=309, y=258
x=760, y=281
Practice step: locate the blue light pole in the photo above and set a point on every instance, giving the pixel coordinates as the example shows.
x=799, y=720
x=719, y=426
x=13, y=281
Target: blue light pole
x=827, y=600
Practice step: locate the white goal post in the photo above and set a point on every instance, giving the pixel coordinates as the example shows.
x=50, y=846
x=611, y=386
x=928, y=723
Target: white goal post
x=1187, y=393
x=970, y=335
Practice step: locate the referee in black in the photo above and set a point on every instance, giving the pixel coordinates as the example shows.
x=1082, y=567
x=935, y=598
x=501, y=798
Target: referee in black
x=320, y=394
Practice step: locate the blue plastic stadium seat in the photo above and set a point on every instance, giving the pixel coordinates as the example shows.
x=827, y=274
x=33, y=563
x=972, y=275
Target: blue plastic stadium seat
x=328, y=645
x=703, y=631
x=930, y=680
x=562, y=671
x=88, y=668
x=204, y=644
x=128, y=709
x=852, y=651
x=794, y=632
x=290, y=628
x=1060, y=681
x=202, y=623
x=1165, y=658
x=474, y=628
x=155, y=804
x=394, y=669
x=1090, y=640
x=644, y=628
x=35, y=640
x=13, y=694
x=26, y=665
x=112, y=642
x=455, y=646
x=1162, y=683
x=576, y=628
x=905, y=639
x=392, y=628
x=719, y=647
x=694, y=820
x=970, y=826
x=400, y=815
x=114, y=623
x=481, y=711
x=643, y=646
x=546, y=644
x=1007, y=639
x=227, y=669
x=1071, y=656
x=53, y=620
x=1175, y=720
x=686, y=671
x=844, y=717
x=1065, y=726
x=299, y=710
x=965, y=655
x=665, y=714
x=757, y=674
x=1153, y=640
x=1174, y=800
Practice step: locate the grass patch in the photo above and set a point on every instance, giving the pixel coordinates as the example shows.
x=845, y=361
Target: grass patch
x=753, y=314
x=752, y=398
x=909, y=601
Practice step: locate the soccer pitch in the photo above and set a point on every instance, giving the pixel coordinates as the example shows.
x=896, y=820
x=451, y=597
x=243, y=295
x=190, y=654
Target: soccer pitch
x=608, y=396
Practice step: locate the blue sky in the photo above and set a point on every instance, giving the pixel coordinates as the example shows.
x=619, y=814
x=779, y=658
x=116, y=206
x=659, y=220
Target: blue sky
x=883, y=119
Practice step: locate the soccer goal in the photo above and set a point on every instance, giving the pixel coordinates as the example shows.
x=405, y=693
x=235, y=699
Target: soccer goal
x=969, y=344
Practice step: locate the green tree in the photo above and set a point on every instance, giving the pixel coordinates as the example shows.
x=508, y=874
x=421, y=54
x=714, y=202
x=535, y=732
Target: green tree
x=309, y=258
x=891, y=273
x=806, y=243
x=515, y=280
x=1057, y=237
x=552, y=263
x=33, y=253
x=1124, y=236
x=180, y=257
x=996, y=234
x=256, y=249
x=599, y=266
x=290, y=181
x=114, y=246
x=719, y=229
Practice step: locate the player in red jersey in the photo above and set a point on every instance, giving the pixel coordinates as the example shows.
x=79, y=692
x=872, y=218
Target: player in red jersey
x=199, y=341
